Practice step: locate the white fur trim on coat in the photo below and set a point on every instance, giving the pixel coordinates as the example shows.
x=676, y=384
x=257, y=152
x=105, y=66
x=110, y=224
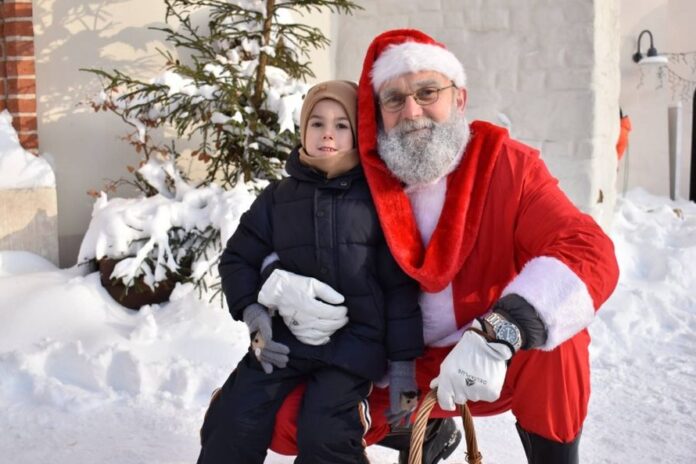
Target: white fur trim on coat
x=411, y=57
x=560, y=297
x=439, y=323
x=427, y=202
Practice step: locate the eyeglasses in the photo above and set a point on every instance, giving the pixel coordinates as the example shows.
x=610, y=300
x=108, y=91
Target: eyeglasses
x=424, y=96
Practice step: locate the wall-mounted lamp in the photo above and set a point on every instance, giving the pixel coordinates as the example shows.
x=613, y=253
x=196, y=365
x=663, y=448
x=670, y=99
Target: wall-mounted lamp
x=652, y=56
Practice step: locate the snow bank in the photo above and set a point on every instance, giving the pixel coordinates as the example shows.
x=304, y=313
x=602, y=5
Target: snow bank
x=72, y=346
x=22, y=262
x=77, y=368
x=19, y=169
x=84, y=380
x=644, y=338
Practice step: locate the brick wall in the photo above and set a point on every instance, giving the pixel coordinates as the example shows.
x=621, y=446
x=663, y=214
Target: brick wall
x=17, y=70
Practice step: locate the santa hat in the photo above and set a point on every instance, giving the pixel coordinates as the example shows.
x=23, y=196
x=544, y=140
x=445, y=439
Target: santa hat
x=413, y=52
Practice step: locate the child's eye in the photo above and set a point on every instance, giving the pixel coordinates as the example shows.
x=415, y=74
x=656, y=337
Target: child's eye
x=342, y=125
x=315, y=124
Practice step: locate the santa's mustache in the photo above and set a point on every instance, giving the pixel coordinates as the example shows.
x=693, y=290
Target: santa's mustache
x=419, y=157
x=409, y=125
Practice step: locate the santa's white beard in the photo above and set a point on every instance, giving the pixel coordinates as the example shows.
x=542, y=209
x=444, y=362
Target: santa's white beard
x=419, y=157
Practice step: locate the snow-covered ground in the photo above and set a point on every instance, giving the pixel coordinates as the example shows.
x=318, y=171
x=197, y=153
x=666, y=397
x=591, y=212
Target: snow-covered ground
x=83, y=380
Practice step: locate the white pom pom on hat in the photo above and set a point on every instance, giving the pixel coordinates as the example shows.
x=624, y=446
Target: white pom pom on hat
x=412, y=56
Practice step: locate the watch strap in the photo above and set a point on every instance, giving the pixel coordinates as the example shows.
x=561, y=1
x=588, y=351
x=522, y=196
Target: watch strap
x=482, y=332
x=491, y=338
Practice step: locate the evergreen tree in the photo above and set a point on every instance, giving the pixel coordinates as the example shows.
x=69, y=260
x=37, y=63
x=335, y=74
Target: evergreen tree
x=239, y=92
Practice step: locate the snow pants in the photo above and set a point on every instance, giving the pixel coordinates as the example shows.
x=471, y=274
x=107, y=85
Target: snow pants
x=547, y=391
x=331, y=420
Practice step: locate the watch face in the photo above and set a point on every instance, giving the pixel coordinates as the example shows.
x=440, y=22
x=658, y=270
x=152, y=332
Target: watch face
x=508, y=333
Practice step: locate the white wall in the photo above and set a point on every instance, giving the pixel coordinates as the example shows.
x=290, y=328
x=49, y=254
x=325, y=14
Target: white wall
x=647, y=161
x=550, y=66
x=606, y=85
x=323, y=60
x=682, y=38
x=86, y=147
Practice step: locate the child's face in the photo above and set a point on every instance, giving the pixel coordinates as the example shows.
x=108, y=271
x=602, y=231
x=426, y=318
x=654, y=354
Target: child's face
x=328, y=130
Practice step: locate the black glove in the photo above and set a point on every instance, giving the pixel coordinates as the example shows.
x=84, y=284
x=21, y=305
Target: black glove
x=268, y=352
x=517, y=310
x=403, y=392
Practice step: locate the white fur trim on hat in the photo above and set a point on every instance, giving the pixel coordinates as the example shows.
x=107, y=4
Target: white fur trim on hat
x=411, y=57
x=557, y=293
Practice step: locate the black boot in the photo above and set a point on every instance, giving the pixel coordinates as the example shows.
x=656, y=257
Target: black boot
x=540, y=450
x=440, y=441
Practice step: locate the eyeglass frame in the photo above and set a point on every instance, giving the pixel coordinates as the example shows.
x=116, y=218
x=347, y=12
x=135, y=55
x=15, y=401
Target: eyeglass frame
x=413, y=95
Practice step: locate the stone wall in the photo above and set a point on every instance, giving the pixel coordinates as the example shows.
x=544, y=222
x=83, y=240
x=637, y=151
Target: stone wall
x=29, y=221
x=549, y=67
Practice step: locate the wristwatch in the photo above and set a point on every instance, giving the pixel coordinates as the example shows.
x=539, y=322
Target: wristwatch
x=505, y=330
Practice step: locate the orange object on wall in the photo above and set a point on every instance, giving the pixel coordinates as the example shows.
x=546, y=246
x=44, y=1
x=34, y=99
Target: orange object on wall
x=623, y=136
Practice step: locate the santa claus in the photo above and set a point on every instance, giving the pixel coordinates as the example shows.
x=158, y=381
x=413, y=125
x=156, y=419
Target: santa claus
x=511, y=272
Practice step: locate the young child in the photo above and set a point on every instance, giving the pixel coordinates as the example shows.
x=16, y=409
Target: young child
x=321, y=222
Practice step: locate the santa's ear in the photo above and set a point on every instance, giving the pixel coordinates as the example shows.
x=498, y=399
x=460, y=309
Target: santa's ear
x=460, y=99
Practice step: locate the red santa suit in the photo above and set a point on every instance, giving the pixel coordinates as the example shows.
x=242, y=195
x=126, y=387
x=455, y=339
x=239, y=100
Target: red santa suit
x=496, y=224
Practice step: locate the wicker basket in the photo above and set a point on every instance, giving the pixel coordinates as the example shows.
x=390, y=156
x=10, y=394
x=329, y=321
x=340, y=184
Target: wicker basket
x=473, y=456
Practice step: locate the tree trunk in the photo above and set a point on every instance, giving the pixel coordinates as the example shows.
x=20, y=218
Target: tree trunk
x=263, y=57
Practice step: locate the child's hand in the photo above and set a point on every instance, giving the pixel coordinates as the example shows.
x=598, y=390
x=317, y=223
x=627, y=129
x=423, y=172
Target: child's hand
x=269, y=353
x=403, y=392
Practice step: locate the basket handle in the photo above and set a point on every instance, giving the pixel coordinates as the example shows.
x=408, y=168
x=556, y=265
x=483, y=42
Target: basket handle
x=473, y=456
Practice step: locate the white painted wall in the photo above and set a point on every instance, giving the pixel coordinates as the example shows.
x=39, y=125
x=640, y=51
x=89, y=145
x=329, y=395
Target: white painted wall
x=86, y=147
x=550, y=66
x=672, y=25
x=606, y=85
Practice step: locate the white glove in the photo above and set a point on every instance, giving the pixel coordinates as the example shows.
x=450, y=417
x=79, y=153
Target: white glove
x=297, y=299
x=473, y=371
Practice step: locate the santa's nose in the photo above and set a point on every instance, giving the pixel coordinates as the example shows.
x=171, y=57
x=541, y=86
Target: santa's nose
x=411, y=109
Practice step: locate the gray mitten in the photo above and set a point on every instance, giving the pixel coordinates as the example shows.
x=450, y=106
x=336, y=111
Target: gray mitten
x=403, y=392
x=268, y=352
